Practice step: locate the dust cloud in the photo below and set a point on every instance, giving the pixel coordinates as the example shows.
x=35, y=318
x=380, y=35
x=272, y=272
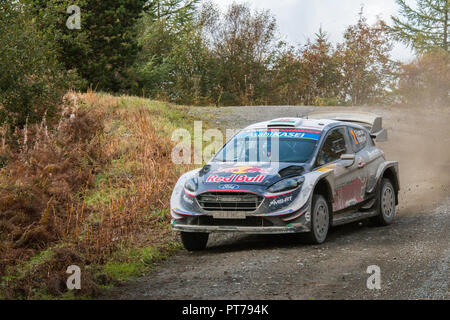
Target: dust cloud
x=419, y=138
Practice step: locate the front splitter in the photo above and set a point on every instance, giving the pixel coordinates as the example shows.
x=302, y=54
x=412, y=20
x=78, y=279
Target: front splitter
x=245, y=230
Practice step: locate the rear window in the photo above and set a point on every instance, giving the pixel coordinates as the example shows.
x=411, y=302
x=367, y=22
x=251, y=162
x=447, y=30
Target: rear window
x=359, y=139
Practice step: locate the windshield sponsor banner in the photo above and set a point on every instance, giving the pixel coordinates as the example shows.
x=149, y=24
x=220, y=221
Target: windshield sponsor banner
x=235, y=178
x=281, y=133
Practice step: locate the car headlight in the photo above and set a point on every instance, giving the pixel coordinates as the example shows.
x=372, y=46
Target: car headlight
x=191, y=184
x=286, y=185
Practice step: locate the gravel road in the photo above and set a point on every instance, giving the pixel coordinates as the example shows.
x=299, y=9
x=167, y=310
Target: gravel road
x=413, y=253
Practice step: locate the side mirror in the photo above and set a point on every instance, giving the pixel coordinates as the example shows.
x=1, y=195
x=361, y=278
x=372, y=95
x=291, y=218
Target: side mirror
x=350, y=158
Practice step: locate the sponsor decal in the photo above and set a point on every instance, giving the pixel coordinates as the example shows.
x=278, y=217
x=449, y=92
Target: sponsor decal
x=278, y=202
x=348, y=194
x=354, y=137
x=295, y=134
x=235, y=178
x=308, y=216
x=326, y=168
x=229, y=187
x=243, y=170
x=361, y=135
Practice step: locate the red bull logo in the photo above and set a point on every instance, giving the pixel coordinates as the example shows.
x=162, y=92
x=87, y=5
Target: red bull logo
x=235, y=178
x=243, y=170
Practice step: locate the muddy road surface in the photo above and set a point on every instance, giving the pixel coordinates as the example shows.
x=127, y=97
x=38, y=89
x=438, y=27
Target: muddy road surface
x=413, y=253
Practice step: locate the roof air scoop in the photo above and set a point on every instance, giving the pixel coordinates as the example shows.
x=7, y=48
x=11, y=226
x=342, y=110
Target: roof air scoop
x=285, y=122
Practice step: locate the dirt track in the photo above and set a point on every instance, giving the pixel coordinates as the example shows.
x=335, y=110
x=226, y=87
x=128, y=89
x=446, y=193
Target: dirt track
x=413, y=253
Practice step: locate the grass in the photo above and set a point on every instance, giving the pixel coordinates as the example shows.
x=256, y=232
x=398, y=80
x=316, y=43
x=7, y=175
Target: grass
x=134, y=262
x=93, y=190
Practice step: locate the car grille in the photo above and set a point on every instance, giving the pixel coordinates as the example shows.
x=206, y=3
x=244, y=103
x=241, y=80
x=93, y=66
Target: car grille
x=229, y=201
x=249, y=222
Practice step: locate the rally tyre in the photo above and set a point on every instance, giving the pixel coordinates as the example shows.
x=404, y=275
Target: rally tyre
x=320, y=220
x=385, y=204
x=194, y=241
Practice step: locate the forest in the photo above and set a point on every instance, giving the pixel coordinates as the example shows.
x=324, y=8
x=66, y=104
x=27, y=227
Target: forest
x=189, y=52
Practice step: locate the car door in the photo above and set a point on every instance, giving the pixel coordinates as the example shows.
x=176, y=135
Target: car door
x=368, y=156
x=347, y=185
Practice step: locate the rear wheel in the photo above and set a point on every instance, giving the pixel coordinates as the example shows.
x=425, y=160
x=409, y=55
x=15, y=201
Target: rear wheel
x=385, y=204
x=320, y=220
x=194, y=241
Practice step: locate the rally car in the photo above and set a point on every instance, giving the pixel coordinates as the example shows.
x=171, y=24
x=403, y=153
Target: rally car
x=292, y=175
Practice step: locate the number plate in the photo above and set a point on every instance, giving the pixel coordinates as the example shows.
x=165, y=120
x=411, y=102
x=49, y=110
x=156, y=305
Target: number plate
x=229, y=215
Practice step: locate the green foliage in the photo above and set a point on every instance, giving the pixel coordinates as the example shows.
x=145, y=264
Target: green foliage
x=310, y=75
x=243, y=44
x=32, y=81
x=189, y=52
x=112, y=39
x=105, y=47
x=288, y=66
x=424, y=27
x=133, y=262
x=122, y=271
x=164, y=32
x=357, y=71
x=321, y=74
x=203, y=56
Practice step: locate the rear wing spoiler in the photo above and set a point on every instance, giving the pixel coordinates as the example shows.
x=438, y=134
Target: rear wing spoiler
x=373, y=122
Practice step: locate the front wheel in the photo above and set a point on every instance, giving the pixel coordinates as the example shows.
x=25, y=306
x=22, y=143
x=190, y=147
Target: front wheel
x=194, y=241
x=385, y=204
x=320, y=220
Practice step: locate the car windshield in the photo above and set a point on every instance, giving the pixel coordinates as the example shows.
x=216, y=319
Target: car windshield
x=270, y=145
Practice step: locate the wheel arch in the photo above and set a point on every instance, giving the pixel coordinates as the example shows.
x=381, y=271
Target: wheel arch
x=323, y=187
x=391, y=174
x=387, y=170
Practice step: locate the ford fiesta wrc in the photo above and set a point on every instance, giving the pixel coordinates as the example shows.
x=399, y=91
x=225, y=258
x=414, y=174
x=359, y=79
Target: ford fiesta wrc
x=290, y=175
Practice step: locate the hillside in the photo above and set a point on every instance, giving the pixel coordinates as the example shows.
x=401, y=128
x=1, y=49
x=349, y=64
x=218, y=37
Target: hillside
x=93, y=192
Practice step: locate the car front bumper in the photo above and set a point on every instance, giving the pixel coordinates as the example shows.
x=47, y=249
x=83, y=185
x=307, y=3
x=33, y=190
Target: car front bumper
x=295, y=228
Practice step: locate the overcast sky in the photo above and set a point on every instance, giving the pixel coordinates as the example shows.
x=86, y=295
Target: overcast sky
x=299, y=20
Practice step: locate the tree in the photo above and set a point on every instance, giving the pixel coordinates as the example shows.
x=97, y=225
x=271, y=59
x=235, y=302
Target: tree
x=425, y=27
x=287, y=74
x=426, y=80
x=112, y=38
x=309, y=75
x=193, y=81
x=32, y=81
x=244, y=45
x=105, y=47
x=162, y=31
x=366, y=68
x=321, y=75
